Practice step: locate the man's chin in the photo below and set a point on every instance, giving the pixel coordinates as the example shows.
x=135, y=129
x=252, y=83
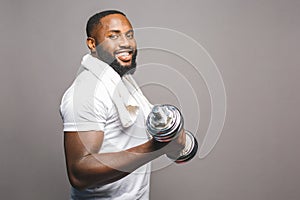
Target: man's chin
x=121, y=69
x=125, y=64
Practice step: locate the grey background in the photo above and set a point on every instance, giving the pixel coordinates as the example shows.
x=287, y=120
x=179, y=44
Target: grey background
x=255, y=45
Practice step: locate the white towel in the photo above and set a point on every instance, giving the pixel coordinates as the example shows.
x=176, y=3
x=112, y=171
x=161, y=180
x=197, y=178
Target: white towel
x=125, y=93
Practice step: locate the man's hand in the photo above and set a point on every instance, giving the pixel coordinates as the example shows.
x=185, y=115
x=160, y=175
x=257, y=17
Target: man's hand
x=173, y=148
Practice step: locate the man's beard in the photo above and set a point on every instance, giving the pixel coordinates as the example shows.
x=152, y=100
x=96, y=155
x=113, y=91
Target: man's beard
x=114, y=63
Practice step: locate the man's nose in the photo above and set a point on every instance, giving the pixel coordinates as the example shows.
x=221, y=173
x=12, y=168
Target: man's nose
x=124, y=42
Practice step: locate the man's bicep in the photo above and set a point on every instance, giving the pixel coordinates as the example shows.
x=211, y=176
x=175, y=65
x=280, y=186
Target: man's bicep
x=80, y=144
x=77, y=146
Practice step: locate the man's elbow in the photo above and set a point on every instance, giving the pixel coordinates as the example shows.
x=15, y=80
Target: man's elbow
x=77, y=183
x=76, y=180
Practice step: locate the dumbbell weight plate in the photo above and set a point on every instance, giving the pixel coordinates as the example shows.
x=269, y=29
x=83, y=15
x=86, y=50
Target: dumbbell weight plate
x=189, y=151
x=171, y=129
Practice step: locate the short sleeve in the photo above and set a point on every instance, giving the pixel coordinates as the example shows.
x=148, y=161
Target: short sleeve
x=82, y=107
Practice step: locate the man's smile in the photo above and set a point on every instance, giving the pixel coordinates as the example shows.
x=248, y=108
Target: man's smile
x=124, y=55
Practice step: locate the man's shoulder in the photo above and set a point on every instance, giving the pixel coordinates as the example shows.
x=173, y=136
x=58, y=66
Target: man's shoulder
x=86, y=94
x=87, y=84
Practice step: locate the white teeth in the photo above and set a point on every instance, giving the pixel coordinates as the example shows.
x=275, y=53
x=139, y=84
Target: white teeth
x=124, y=54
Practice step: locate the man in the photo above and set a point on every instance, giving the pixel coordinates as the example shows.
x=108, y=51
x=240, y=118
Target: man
x=107, y=148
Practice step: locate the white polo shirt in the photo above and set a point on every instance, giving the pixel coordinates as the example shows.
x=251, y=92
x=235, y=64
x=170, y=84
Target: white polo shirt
x=87, y=106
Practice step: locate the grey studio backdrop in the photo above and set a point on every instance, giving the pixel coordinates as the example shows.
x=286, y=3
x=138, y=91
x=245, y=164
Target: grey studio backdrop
x=255, y=45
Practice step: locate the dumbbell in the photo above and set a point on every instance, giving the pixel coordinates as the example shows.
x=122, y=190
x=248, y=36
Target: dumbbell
x=164, y=123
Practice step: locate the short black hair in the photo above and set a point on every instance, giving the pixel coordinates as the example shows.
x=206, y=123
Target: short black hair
x=95, y=20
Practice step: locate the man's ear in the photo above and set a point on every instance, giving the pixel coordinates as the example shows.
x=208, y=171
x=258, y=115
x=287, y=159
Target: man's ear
x=91, y=43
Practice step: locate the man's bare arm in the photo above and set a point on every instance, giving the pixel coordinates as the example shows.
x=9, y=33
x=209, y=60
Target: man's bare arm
x=86, y=167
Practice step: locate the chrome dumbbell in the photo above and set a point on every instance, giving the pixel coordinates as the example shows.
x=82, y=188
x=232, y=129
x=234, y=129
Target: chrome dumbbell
x=164, y=124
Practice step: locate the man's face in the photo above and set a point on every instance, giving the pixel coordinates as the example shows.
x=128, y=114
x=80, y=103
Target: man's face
x=116, y=44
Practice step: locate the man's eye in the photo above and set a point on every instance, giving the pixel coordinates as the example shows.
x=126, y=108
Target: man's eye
x=113, y=37
x=129, y=36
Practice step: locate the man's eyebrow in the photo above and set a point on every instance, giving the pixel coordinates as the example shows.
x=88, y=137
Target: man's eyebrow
x=118, y=31
x=130, y=31
x=114, y=31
